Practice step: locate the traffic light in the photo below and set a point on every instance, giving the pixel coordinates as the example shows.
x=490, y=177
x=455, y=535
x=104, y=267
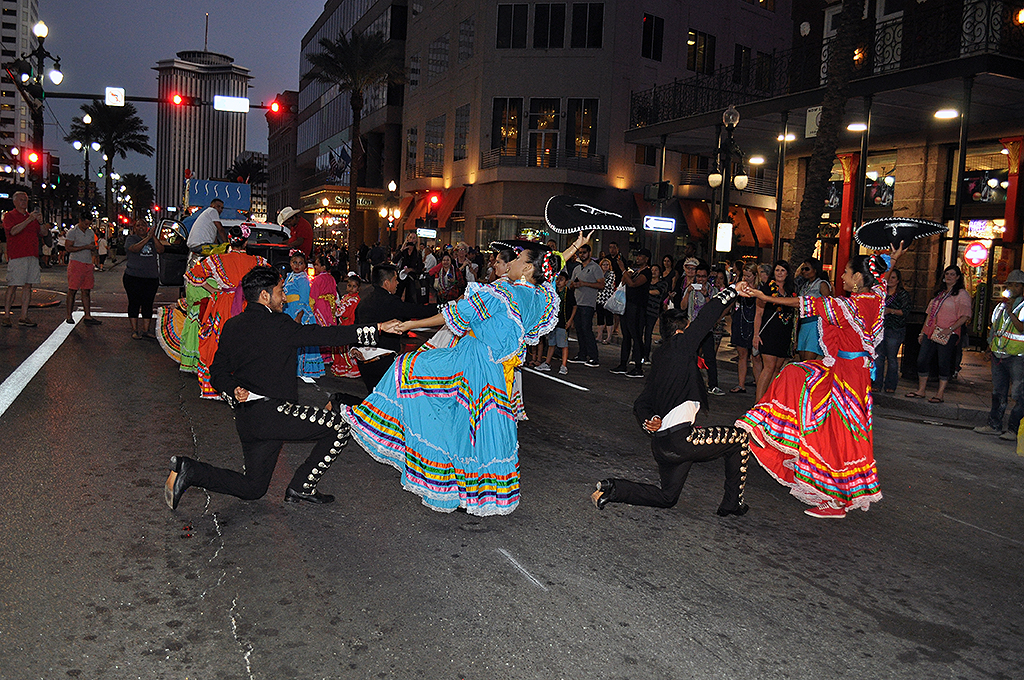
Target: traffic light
x=179, y=99
x=278, y=107
x=433, y=201
x=52, y=168
x=34, y=166
x=275, y=106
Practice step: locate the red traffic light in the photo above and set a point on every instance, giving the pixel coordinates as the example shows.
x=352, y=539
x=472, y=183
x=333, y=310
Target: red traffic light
x=275, y=106
x=176, y=99
x=434, y=199
x=33, y=157
x=184, y=100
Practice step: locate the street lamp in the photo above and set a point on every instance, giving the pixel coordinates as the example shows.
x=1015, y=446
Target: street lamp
x=29, y=81
x=720, y=239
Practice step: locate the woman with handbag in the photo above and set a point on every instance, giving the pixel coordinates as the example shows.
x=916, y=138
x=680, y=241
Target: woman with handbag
x=773, y=325
x=947, y=313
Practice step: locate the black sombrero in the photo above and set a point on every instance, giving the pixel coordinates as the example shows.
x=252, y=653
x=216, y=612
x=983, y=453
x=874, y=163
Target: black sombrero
x=569, y=215
x=517, y=245
x=886, y=232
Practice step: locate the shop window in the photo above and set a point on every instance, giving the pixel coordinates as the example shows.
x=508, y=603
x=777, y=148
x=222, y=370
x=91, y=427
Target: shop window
x=986, y=175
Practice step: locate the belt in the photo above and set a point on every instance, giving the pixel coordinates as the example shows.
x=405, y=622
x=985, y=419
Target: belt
x=859, y=355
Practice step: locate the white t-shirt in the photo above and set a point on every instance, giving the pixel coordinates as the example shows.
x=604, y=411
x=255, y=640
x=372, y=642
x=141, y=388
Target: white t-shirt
x=204, y=230
x=77, y=236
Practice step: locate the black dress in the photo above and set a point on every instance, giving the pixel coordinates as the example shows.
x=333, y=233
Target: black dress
x=776, y=329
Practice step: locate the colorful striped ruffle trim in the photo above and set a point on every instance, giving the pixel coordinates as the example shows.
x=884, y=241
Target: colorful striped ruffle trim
x=440, y=485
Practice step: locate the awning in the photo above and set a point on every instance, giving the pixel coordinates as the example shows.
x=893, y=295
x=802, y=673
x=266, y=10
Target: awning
x=449, y=200
x=762, y=228
x=697, y=216
x=418, y=210
x=642, y=205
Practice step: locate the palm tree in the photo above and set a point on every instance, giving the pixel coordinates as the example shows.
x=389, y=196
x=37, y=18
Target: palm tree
x=118, y=129
x=140, y=190
x=833, y=107
x=247, y=170
x=354, y=65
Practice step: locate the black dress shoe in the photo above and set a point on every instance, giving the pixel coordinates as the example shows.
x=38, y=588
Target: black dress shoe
x=179, y=480
x=603, y=495
x=739, y=511
x=293, y=496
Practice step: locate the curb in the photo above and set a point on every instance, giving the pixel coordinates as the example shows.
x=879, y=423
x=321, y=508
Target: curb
x=921, y=407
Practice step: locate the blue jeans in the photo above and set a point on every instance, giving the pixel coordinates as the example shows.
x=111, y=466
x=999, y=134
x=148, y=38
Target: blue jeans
x=887, y=365
x=584, y=323
x=1005, y=370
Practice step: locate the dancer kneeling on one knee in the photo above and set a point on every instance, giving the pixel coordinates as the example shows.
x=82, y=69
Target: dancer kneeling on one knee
x=674, y=393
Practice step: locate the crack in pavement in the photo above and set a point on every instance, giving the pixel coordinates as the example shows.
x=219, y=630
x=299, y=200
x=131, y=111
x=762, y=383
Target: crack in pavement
x=246, y=646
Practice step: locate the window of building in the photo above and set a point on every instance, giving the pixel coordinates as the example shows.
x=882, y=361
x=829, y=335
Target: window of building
x=581, y=128
x=587, y=24
x=512, y=26
x=700, y=52
x=466, y=34
x=646, y=155
x=741, y=65
x=505, y=121
x=548, y=25
x=763, y=71
x=437, y=57
x=461, y=132
x=433, y=145
x=544, y=116
x=653, y=37
x=8, y=53
x=9, y=26
x=9, y=39
x=411, y=140
x=689, y=162
x=414, y=71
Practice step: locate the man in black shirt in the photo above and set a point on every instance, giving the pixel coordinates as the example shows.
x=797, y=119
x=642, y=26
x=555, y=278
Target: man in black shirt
x=382, y=304
x=410, y=267
x=255, y=369
x=666, y=409
x=637, y=282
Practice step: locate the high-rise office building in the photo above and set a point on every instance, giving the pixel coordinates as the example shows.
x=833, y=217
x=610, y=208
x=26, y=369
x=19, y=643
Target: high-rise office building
x=16, y=39
x=195, y=138
x=282, y=178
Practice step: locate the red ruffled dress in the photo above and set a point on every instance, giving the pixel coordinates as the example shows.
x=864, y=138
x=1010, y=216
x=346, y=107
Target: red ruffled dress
x=812, y=429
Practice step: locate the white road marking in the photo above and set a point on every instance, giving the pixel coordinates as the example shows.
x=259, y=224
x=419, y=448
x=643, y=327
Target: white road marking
x=521, y=569
x=557, y=380
x=960, y=521
x=23, y=374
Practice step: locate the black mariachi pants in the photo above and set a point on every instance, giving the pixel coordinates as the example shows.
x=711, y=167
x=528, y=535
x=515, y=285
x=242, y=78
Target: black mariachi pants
x=263, y=426
x=675, y=451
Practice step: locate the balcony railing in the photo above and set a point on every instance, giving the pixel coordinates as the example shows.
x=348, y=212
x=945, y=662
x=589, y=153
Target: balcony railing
x=764, y=186
x=425, y=169
x=494, y=158
x=926, y=33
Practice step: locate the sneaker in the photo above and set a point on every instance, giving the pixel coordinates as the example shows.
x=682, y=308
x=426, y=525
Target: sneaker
x=635, y=373
x=827, y=510
x=1009, y=436
x=717, y=391
x=543, y=367
x=577, y=360
x=562, y=370
x=618, y=370
x=592, y=363
x=986, y=429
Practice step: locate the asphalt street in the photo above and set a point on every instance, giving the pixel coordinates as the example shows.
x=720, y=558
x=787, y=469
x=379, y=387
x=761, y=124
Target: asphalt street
x=98, y=579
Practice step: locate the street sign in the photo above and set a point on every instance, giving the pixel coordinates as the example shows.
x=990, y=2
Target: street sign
x=423, y=232
x=114, y=96
x=813, y=119
x=234, y=104
x=655, y=223
x=976, y=253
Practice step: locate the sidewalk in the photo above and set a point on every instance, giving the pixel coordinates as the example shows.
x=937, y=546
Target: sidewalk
x=967, y=399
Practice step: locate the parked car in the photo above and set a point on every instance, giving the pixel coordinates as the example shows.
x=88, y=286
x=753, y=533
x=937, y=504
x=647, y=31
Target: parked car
x=266, y=240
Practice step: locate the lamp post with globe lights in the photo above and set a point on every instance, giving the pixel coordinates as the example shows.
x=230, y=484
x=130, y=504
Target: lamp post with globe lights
x=720, y=239
x=27, y=74
x=85, y=145
x=391, y=212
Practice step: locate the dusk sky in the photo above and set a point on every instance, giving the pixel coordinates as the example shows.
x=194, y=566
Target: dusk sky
x=117, y=43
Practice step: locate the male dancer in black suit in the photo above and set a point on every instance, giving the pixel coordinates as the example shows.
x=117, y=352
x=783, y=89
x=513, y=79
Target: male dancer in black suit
x=666, y=409
x=255, y=368
x=383, y=304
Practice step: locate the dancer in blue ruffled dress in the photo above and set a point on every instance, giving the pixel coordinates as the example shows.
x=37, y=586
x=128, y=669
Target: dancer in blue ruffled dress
x=444, y=417
x=298, y=306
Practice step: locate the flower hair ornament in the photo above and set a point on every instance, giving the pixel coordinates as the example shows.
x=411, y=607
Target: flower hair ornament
x=295, y=251
x=548, y=269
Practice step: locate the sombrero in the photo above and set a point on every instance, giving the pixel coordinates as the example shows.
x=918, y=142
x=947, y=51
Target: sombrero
x=884, y=232
x=517, y=245
x=569, y=215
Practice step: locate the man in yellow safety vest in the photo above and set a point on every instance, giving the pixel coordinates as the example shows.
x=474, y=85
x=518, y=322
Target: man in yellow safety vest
x=1006, y=347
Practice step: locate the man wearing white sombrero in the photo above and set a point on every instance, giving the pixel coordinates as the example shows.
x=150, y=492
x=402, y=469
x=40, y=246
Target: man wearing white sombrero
x=301, y=232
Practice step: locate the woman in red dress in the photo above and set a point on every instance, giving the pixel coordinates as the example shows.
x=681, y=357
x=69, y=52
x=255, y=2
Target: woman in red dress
x=330, y=311
x=812, y=429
